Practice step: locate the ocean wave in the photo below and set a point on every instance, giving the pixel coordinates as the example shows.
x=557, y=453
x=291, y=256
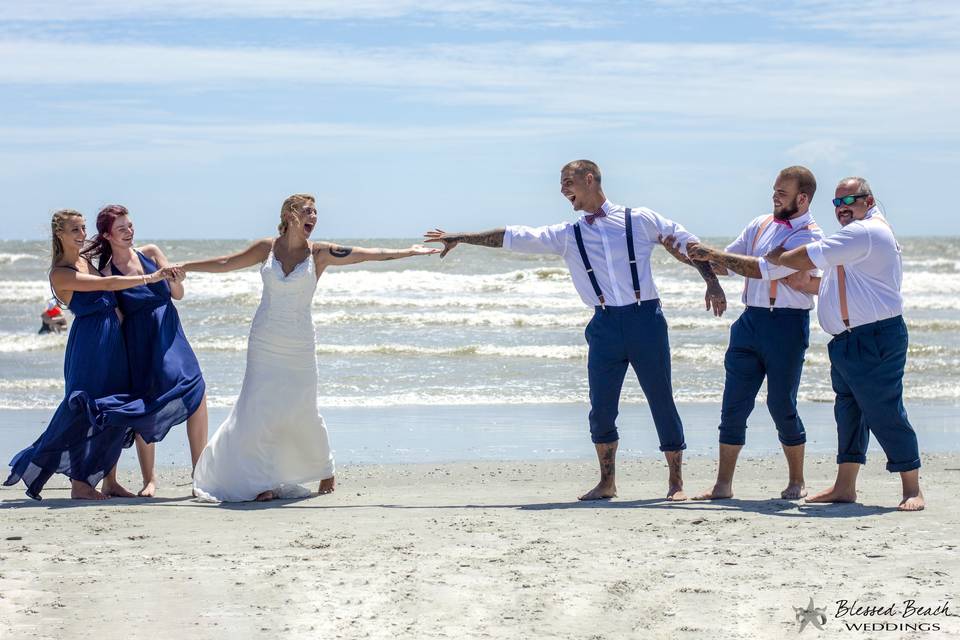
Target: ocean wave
x=24, y=342
x=10, y=258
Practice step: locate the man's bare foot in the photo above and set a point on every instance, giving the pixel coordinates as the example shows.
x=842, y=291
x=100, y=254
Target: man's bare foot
x=676, y=494
x=327, y=486
x=265, y=496
x=149, y=490
x=83, y=491
x=794, y=491
x=719, y=492
x=115, y=489
x=834, y=495
x=912, y=503
x=600, y=492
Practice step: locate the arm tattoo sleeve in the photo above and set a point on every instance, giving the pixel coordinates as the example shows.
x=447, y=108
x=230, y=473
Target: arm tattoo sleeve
x=706, y=271
x=492, y=238
x=748, y=266
x=340, y=252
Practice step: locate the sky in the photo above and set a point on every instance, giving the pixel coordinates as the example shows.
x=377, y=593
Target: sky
x=202, y=116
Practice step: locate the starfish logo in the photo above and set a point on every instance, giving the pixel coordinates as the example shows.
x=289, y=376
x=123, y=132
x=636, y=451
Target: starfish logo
x=811, y=615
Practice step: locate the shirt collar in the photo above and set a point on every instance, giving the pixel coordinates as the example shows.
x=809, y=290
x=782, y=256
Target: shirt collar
x=802, y=221
x=873, y=211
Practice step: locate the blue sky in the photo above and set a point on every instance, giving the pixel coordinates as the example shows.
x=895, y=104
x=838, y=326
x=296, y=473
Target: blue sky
x=399, y=115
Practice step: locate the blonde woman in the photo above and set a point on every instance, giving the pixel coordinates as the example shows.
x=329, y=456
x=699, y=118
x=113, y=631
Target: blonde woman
x=94, y=367
x=275, y=438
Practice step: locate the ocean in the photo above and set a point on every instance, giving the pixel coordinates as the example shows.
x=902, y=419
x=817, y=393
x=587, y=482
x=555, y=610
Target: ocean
x=480, y=331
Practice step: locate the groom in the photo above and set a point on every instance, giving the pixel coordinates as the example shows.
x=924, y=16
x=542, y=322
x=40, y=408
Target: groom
x=608, y=254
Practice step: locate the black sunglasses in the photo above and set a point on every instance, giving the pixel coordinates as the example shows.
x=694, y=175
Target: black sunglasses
x=849, y=199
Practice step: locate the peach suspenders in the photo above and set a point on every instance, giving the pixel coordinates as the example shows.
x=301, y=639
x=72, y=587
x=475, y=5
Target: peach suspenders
x=842, y=284
x=773, y=283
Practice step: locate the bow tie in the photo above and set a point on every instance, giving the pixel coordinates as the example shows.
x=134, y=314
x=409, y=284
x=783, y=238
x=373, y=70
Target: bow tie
x=591, y=217
x=785, y=223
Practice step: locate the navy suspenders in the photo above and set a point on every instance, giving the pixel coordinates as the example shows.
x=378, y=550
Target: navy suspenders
x=630, y=252
x=633, y=256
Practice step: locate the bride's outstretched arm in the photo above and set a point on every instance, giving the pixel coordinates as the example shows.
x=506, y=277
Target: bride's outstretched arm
x=255, y=253
x=326, y=253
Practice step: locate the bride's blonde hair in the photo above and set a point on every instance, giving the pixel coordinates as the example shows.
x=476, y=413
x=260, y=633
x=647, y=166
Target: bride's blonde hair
x=296, y=203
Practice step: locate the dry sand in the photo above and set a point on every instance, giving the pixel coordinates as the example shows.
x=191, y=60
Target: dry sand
x=485, y=550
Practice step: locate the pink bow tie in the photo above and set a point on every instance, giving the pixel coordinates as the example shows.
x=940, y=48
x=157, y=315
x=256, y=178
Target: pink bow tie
x=785, y=223
x=591, y=217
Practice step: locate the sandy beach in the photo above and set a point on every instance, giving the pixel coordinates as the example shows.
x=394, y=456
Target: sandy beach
x=482, y=550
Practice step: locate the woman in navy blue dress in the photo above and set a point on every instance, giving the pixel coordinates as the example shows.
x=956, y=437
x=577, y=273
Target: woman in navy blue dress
x=95, y=366
x=165, y=375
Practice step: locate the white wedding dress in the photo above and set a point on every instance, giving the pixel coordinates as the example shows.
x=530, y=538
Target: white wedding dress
x=274, y=438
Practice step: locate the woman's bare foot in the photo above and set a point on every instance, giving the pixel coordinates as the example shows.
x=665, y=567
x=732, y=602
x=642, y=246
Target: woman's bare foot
x=834, y=495
x=149, y=490
x=602, y=491
x=83, y=491
x=327, y=486
x=265, y=496
x=115, y=489
x=794, y=491
x=913, y=503
x=719, y=492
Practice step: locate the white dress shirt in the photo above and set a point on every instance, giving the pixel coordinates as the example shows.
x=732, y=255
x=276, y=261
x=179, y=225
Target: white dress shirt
x=872, y=264
x=605, y=242
x=756, y=293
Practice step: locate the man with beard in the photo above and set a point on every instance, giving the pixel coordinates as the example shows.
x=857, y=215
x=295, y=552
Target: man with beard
x=608, y=253
x=861, y=306
x=771, y=336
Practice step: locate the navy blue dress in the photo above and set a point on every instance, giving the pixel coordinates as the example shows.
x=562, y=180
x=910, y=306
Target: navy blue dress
x=166, y=385
x=95, y=365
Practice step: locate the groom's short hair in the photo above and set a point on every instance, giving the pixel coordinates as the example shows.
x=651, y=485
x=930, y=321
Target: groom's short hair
x=581, y=168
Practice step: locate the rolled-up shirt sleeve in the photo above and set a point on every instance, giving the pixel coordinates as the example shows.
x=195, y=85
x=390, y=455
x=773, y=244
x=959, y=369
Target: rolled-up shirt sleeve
x=847, y=246
x=655, y=225
x=549, y=239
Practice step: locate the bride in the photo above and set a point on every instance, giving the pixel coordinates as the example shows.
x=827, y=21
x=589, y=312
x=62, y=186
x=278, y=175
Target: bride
x=274, y=438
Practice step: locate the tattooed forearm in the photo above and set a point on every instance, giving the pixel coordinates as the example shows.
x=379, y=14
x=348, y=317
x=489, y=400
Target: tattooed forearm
x=492, y=238
x=706, y=271
x=744, y=265
x=340, y=252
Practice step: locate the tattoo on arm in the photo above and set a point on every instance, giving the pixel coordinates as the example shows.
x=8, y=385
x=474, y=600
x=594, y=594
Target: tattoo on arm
x=340, y=252
x=492, y=238
x=748, y=266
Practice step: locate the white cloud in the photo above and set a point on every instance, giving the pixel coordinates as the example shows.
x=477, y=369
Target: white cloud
x=759, y=87
x=476, y=13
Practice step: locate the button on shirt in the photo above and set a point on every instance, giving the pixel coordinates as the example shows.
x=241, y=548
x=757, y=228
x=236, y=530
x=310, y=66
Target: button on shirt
x=606, y=244
x=872, y=264
x=756, y=293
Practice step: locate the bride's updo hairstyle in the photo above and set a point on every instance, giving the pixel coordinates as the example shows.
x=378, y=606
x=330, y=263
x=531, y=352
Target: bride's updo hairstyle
x=294, y=203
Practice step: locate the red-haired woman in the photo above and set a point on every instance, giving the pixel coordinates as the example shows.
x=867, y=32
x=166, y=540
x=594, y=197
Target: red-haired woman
x=94, y=367
x=166, y=381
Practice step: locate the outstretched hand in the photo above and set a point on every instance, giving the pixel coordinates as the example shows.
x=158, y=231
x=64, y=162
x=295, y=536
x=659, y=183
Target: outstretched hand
x=420, y=250
x=439, y=235
x=173, y=273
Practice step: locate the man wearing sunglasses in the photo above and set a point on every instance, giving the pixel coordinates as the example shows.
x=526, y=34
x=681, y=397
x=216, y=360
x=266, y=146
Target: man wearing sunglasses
x=861, y=306
x=769, y=340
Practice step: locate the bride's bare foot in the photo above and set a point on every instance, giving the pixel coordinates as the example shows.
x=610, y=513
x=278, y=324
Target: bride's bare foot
x=115, y=489
x=327, y=486
x=149, y=490
x=265, y=496
x=83, y=491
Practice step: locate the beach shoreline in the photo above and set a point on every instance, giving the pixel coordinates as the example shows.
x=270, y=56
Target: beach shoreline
x=476, y=550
